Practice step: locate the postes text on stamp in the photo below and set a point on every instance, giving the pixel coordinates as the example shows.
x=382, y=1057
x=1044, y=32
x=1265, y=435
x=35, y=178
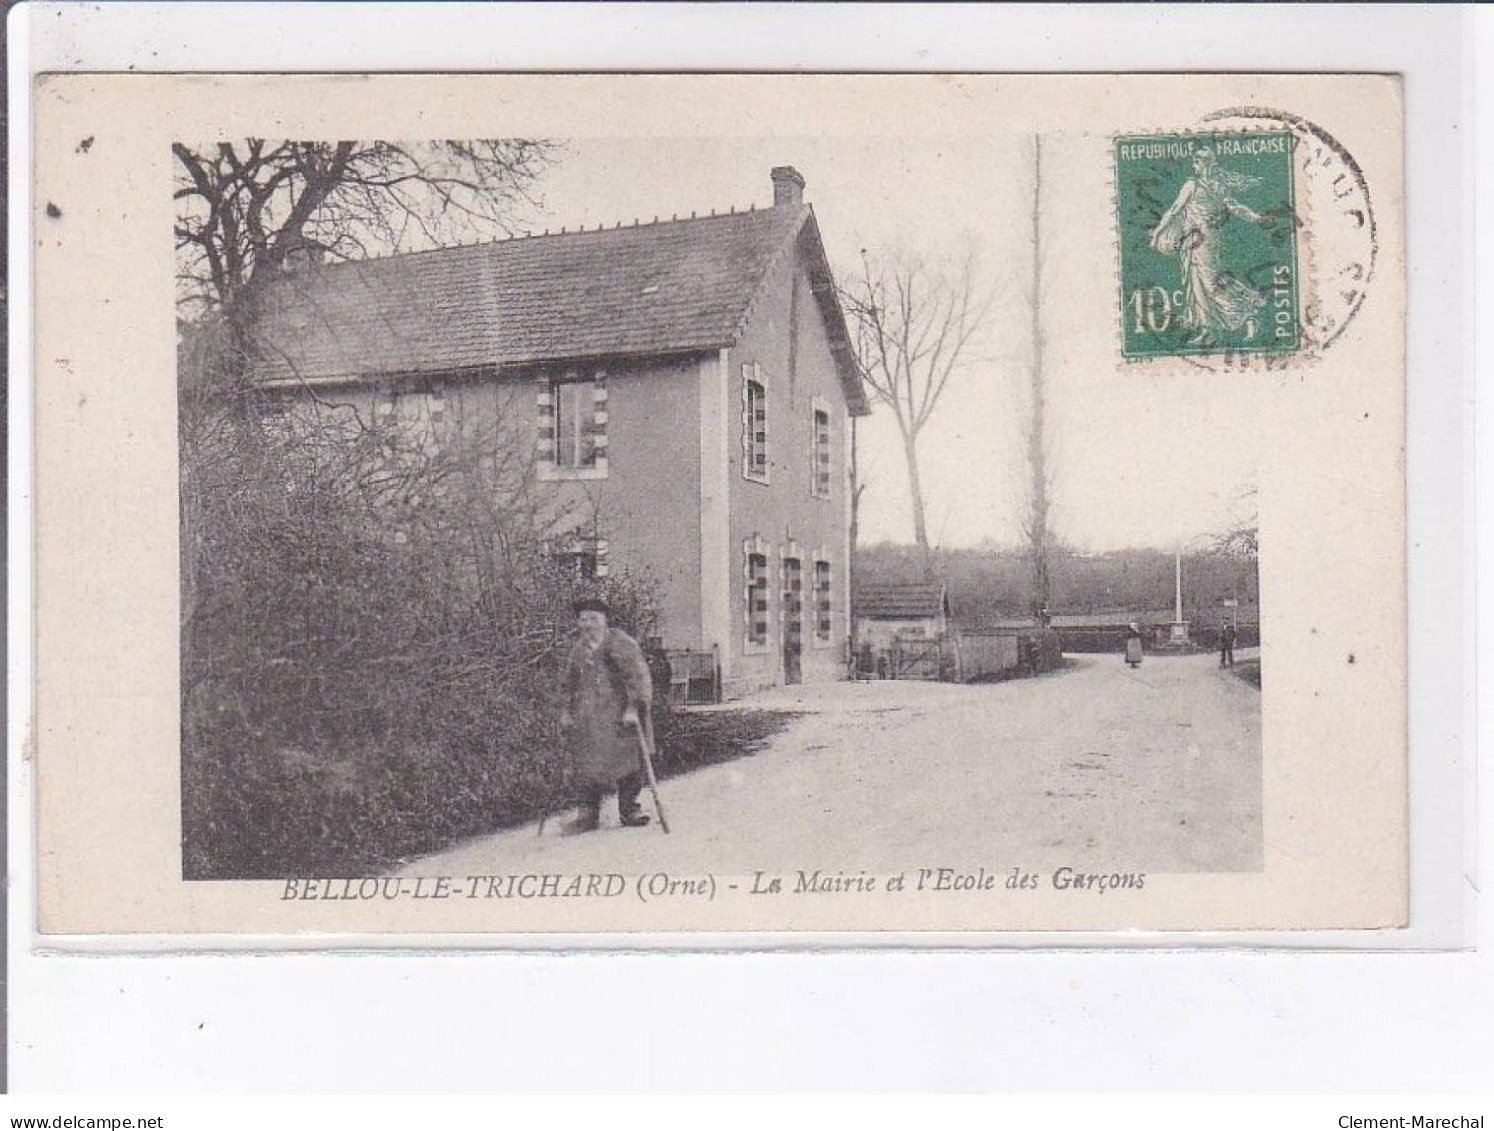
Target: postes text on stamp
x=1208, y=244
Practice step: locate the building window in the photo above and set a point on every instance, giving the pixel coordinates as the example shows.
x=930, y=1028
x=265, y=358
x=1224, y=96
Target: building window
x=572, y=436
x=754, y=423
x=277, y=417
x=389, y=413
x=822, y=601
x=757, y=596
x=581, y=563
x=435, y=408
x=756, y=626
x=819, y=456
x=411, y=419
x=582, y=557
x=573, y=424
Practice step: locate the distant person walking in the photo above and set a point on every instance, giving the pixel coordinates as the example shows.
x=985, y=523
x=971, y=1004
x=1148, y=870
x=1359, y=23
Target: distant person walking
x=1227, y=647
x=607, y=691
x=1133, y=644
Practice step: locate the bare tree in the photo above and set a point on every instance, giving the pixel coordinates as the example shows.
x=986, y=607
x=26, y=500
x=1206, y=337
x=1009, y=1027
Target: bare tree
x=913, y=324
x=367, y=582
x=858, y=488
x=245, y=209
x=1240, y=536
x=1035, y=524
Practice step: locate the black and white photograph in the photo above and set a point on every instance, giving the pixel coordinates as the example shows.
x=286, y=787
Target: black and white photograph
x=537, y=505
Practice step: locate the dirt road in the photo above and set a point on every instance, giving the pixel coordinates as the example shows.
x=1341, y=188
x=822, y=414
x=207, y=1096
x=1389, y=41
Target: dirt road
x=1156, y=769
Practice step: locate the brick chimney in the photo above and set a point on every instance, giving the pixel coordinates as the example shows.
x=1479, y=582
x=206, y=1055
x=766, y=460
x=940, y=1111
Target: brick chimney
x=788, y=187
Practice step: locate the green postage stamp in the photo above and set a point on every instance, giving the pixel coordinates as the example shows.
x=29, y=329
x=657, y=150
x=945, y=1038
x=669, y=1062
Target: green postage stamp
x=1208, y=244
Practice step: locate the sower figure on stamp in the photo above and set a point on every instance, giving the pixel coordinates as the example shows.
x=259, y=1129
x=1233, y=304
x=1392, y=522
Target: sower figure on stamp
x=1214, y=298
x=607, y=691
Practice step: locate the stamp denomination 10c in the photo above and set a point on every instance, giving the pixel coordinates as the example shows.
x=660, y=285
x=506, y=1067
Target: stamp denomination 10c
x=1208, y=244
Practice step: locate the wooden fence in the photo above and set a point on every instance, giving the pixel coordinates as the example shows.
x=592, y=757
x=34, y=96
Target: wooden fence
x=984, y=654
x=963, y=656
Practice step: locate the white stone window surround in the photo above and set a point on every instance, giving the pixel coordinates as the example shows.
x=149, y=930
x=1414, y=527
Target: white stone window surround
x=545, y=442
x=821, y=557
x=756, y=452
x=821, y=485
x=577, y=544
x=411, y=413
x=756, y=546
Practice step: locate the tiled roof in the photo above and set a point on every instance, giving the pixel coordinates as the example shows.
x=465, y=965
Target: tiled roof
x=900, y=601
x=662, y=288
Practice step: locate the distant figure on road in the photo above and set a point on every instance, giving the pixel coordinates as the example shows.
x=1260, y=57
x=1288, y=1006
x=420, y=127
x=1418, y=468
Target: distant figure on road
x=1227, y=647
x=1133, y=644
x=1030, y=654
x=607, y=692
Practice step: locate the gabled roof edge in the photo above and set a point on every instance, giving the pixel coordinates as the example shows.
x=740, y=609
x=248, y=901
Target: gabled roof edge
x=822, y=286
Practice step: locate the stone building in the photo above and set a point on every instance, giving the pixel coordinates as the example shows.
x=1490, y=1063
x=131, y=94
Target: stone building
x=901, y=629
x=680, y=394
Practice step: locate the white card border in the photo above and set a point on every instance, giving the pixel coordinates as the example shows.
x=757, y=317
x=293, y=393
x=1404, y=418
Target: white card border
x=1432, y=48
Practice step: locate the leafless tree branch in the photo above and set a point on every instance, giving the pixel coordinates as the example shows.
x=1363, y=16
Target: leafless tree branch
x=912, y=326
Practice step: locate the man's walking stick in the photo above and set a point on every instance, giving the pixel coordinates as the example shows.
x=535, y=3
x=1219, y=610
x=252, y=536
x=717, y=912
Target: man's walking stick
x=648, y=769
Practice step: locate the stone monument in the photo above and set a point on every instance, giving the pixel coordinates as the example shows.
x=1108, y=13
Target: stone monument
x=1178, y=636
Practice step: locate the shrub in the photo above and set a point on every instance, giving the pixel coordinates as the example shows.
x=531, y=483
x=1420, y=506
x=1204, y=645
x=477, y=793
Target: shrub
x=372, y=630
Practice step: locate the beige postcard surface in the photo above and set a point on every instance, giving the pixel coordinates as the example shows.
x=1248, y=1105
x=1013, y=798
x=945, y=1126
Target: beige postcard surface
x=547, y=504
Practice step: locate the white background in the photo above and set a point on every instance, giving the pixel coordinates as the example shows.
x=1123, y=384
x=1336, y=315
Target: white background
x=1039, y=1021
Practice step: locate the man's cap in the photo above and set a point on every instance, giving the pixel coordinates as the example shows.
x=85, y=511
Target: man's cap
x=591, y=605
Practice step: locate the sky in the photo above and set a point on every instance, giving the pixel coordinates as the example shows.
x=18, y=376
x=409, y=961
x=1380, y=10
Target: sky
x=1140, y=458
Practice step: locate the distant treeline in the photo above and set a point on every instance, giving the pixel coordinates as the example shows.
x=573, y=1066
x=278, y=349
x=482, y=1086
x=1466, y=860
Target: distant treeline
x=989, y=583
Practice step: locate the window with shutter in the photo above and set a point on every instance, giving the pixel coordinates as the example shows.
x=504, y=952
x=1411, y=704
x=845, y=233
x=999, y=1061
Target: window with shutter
x=822, y=601
x=573, y=412
x=757, y=618
x=754, y=423
x=572, y=426
x=581, y=556
x=819, y=455
x=757, y=623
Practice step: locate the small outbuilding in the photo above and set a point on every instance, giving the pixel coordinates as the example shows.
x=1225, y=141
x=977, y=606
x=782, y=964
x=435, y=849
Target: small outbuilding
x=901, y=630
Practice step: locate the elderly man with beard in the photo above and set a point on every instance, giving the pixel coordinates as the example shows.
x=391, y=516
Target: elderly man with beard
x=607, y=691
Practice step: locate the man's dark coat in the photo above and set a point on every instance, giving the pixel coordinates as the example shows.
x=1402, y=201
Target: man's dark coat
x=600, y=684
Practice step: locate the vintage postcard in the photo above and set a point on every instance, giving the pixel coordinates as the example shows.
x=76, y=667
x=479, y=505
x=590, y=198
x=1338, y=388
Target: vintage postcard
x=896, y=507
